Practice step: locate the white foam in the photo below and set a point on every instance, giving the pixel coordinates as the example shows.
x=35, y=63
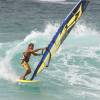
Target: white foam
x=49, y=30
x=63, y=2
x=54, y=0
x=82, y=29
x=6, y=71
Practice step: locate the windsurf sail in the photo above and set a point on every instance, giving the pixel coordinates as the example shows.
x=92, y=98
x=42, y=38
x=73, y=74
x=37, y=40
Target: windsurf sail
x=60, y=35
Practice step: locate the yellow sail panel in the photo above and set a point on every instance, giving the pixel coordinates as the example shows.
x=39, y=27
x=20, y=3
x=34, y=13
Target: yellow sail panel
x=72, y=21
x=53, y=51
x=76, y=16
x=55, y=46
x=43, y=65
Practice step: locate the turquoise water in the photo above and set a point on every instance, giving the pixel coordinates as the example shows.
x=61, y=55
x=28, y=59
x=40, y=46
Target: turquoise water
x=74, y=72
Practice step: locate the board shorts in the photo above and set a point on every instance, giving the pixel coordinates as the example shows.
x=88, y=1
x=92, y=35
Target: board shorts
x=26, y=65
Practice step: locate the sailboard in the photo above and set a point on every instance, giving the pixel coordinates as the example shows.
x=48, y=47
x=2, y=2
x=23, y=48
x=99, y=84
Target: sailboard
x=61, y=34
x=27, y=81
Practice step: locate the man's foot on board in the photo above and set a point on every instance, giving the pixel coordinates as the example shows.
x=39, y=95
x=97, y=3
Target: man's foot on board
x=22, y=78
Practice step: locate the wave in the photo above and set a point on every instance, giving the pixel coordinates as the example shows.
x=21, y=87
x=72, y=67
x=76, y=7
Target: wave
x=10, y=52
x=7, y=71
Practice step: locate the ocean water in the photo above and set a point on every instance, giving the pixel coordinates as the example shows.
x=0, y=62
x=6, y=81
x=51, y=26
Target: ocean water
x=73, y=74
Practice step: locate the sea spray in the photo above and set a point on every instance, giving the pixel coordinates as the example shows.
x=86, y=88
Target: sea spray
x=7, y=71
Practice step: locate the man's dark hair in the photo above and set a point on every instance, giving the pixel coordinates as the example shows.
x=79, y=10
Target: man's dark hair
x=31, y=44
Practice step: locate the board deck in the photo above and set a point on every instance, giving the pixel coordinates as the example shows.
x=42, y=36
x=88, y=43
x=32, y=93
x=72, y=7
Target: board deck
x=27, y=81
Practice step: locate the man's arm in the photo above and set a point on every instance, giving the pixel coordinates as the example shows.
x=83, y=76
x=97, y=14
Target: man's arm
x=39, y=49
x=34, y=53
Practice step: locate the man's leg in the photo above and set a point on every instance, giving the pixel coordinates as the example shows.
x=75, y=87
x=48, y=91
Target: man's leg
x=26, y=73
x=27, y=68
